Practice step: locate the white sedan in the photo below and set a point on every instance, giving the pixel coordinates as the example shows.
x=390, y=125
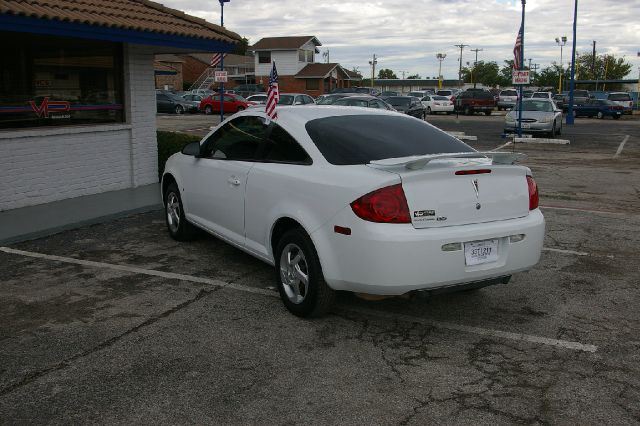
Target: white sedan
x=364, y=200
x=436, y=103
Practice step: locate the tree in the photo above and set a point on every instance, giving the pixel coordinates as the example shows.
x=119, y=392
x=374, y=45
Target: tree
x=386, y=73
x=486, y=73
x=414, y=77
x=241, y=47
x=548, y=77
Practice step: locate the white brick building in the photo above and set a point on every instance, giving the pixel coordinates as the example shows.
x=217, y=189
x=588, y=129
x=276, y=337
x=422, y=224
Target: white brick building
x=77, y=111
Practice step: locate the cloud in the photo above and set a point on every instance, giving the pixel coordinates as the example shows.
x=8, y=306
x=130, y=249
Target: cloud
x=407, y=34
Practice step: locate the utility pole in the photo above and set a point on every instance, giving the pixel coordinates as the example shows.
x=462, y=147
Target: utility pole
x=461, y=47
x=373, y=63
x=440, y=57
x=475, y=63
x=572, y=80
x=534, y=68
x=593, y=64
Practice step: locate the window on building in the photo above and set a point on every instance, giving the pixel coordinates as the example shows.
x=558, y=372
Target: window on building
x=309, y=55
x=312, y=84
x=54, y=81
x=264, y=57
x=302, y=56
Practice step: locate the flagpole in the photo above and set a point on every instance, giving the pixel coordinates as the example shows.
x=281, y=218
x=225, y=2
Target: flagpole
x=222, y=2
x=521, y=69
x=572, y=85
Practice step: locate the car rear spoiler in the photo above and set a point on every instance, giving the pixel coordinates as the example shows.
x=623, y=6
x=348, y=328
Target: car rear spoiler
x=416, y=162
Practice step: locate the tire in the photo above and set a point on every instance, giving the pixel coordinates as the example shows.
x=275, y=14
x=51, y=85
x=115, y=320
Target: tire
x=575, y=114
x=429, y=111
x=559, y=132
x=208, y=110
x=552, y=133
x=600, y=115
x=177, y=225
x=466, y=111
x=312, y=300
x=616, y=117
x=179, y=109
x=487, y=113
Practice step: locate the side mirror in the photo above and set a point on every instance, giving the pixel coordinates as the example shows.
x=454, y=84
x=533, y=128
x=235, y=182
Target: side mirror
x=192, y=149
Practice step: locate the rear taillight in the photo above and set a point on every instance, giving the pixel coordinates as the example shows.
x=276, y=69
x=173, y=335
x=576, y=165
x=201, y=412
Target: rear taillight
x=384, y=205
x=533, y=193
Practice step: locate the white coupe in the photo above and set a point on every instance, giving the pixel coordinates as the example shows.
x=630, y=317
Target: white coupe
x=364, y=200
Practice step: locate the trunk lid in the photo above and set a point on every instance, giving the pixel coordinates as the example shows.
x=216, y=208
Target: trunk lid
x=439, y=197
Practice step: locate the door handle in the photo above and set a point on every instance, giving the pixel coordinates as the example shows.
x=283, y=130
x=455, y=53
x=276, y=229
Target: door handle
x=234, y=181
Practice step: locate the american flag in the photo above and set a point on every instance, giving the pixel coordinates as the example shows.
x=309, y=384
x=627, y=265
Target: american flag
x=516, y=51
x=216, y=58
x=272, y=95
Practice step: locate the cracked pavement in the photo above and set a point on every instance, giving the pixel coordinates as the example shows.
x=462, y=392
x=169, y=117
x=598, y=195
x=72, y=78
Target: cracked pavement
x=86, y=344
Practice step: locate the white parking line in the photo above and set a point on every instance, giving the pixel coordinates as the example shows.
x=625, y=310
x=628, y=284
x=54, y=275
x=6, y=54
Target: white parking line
x=383, y=315
x=621, y=147
x=502, y=146
x=555, y=250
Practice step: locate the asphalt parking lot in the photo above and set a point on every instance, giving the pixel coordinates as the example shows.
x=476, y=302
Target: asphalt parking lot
x=117, y=323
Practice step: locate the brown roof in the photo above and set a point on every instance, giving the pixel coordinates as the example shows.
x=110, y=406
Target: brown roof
x=229, y=59
x=353, y=74
x=284, y=43
x=318, y=70
x=137, y=15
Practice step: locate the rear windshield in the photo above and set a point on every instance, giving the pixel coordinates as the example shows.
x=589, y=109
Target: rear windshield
x=360, y=139
x=483, y=95
x=508, y=93
x=580, y=93
x=399, y=101
x=619, y=97
x=439, y=98
x=542, y=95
x=444, y=92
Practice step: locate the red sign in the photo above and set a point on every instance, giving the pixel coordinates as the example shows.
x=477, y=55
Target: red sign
x=520, y=77
x=46, y=107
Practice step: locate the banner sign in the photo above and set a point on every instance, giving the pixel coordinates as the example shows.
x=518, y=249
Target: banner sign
x=220, y=77
x=520, y=77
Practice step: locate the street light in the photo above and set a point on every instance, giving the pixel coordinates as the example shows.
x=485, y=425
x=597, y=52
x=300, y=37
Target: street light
x=440, y=57
x=561, y=42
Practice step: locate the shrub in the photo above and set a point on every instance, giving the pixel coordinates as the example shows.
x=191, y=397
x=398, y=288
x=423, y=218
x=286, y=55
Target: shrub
x=169, y=143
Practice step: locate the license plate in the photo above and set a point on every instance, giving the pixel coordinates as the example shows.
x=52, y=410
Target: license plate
x=526, y=125
x=479, y=252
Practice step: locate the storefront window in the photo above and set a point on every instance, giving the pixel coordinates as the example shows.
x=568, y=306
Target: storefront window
x=57, y=81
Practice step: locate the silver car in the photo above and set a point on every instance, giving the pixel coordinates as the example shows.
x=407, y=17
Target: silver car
x=538, y=116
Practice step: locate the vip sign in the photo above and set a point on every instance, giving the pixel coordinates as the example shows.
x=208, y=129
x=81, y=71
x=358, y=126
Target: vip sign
x=520, y=77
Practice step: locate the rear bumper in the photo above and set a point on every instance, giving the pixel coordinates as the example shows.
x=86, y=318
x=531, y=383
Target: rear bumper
x=392, y=259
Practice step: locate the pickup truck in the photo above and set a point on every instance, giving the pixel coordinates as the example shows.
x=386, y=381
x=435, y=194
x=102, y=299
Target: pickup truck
x=579, y=97
x=472, y=101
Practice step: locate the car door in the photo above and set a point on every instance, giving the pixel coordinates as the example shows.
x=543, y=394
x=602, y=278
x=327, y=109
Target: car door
x=163, y=103
x=215, y=183
x=275, y=184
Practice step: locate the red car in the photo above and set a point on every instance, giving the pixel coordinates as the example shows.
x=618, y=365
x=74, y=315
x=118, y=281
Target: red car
x=232, y=103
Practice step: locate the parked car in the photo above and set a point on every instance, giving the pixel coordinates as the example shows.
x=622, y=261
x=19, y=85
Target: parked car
x=435, y=103
x=408, y=105
x=365, y=91
x=258, y=98
x=579, y=97
x=558, y=99
x=600, y=108
x=232, y=103
x=507, y=99
x=343, y=90
x=193, y=101
x=246, y=90
x=202, y=92
x=168, y=102
x=295, y=99
x=470, y=102
x=542, y=95
x=538, y=116
x=388, y=93
x=418, y=93
x=623, y=99
x=449, y=93
x=355, y=199
x=331, y=98
x=364, y=101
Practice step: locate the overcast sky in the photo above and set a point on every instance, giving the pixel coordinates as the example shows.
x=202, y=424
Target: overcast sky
x=407, y=34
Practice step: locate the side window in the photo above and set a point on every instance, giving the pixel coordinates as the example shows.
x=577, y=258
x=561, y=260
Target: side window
x=374, y=104
x=299, y=100
x=309, y=100
x=281, y=147
x=228, y=98
x=239, y=139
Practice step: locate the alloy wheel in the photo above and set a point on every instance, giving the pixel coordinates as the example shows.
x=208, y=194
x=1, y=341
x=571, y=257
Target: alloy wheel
x=173, y=212
x=294, y=273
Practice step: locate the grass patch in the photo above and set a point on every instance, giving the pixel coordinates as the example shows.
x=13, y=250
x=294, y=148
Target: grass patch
x=169, y=143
